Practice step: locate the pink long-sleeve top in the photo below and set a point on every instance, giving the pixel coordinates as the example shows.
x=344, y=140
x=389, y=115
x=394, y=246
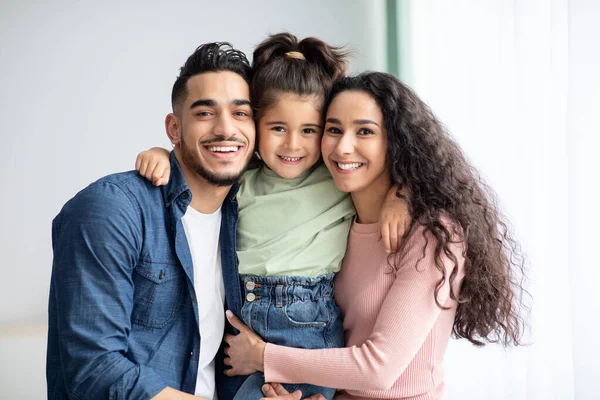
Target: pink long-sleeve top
x=396, y=335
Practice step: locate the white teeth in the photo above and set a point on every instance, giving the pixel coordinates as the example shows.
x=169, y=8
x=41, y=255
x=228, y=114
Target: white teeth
x=290, y=159
x=349, y=166
x=221, y=149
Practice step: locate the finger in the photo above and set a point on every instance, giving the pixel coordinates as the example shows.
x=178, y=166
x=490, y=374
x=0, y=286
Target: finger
x=235, y=321
x=268, y=390
x=159, y=172
x=316, y=396
x=227, y=361
x=226, y=350
x=138, y=162
x=228, y=338
x=385, y=236
x=162, y=181
x=279, y=389
x=143, y=168
x=394, y=238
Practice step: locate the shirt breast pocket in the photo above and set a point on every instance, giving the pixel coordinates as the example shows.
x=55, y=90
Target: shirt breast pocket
x=158, y=294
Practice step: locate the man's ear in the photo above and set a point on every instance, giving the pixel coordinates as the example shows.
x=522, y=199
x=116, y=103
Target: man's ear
x=173, y=127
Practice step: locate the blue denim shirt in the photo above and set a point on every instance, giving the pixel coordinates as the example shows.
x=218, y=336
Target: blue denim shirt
x=123, y=313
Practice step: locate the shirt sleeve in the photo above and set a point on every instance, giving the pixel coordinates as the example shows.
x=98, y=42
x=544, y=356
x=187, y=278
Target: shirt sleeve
x=96, y=242
x=403, y=323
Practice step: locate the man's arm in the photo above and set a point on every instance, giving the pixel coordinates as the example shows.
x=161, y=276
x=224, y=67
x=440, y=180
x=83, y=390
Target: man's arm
x=97, y=240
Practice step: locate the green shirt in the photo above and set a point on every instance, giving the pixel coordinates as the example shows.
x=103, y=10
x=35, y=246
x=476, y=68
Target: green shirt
x=292, y=227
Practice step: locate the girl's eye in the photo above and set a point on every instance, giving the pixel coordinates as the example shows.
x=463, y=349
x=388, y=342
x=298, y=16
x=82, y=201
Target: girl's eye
x=365, y=132
x=308, y=131
x=278, y=129
x=333, y=130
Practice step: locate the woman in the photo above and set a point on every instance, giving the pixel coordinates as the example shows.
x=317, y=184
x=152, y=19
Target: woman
x=457, y=270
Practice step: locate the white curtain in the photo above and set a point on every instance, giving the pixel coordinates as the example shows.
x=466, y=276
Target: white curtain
x=497, y=73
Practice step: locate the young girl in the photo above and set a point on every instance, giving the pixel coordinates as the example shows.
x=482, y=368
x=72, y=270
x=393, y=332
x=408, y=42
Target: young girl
x=293, y=221
x=458, y=271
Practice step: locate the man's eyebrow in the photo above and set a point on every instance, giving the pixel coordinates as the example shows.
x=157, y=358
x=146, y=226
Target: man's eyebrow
x=203, y=102
x=241, y=102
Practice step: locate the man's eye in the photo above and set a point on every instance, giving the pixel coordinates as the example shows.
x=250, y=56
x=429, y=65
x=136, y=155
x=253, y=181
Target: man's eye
x=365, y=132
x=241, y=114
x=203, y=113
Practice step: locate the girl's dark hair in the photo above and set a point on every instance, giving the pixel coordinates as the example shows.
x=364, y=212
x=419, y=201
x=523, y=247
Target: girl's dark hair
x=442, y=183
x=309, y=70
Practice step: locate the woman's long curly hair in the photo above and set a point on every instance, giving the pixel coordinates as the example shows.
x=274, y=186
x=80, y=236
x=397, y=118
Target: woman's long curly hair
x=442, y=183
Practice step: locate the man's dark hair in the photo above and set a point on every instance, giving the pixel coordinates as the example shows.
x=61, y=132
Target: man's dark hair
x=210, y=57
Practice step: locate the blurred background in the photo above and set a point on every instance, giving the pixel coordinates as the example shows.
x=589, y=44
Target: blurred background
x=85, y=86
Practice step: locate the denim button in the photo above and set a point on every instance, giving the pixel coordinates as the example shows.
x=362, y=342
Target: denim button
x=250, y=297
x=185, y=195
x=250, y=285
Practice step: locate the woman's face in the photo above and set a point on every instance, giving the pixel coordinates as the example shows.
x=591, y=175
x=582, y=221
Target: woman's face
x=354, y=144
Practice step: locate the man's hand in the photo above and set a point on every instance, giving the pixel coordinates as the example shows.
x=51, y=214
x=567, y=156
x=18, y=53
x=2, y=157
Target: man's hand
x=245, y=351
x=278, y=392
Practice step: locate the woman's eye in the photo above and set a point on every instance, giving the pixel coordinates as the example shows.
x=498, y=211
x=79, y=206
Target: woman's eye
x=308, y=131
x=365, y=132
x=333, y=130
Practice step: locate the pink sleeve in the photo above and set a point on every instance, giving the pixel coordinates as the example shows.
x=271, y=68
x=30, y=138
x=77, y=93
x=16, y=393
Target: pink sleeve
x=405, y=319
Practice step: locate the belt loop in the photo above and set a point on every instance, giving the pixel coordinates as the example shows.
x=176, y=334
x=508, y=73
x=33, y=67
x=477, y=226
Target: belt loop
x=279, y=296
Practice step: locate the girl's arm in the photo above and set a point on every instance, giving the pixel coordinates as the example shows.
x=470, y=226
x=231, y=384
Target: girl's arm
x=395, y=219
x=154, y=165
x=405, y=319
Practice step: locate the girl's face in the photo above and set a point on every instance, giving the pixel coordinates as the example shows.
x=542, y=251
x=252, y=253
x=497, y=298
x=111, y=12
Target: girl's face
x=354, y=143
x=289, y=135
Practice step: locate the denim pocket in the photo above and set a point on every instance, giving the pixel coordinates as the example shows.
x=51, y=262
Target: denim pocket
x=158, y=290
x=307, y=313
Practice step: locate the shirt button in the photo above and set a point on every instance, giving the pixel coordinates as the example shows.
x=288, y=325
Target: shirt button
x=250, y=297
x=250, y=285
x=185, y=195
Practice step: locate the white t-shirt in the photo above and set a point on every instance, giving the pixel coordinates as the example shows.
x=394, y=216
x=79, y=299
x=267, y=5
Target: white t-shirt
x=202, y=232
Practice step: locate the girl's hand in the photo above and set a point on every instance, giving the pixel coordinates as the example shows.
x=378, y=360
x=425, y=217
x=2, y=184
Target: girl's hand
x=395, y=219
x=245, y=351
x=276, y=391
x=154, y=165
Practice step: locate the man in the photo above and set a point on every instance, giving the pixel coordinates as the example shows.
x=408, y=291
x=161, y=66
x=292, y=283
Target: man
x=140, y=273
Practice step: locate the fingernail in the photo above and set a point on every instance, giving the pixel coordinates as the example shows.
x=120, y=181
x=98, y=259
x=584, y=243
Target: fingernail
x=229, y=313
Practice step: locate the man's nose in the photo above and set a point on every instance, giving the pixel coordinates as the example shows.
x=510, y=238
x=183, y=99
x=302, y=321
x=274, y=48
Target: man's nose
x=225, y=125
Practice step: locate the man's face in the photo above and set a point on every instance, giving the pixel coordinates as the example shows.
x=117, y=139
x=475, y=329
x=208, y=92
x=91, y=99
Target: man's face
x=217, y=131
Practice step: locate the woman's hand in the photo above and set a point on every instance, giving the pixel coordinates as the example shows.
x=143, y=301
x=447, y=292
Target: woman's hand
x=154, y=165
x=395, y=219
x=245, y=351
x=276, y=391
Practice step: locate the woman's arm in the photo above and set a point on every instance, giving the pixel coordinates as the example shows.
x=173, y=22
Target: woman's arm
x=404, y=321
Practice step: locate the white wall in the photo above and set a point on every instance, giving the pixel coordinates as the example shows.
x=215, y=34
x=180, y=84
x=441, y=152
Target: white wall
x=584, y=194
x=84, y=86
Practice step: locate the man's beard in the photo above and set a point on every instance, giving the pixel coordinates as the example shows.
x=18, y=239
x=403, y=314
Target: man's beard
x=188, y=157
